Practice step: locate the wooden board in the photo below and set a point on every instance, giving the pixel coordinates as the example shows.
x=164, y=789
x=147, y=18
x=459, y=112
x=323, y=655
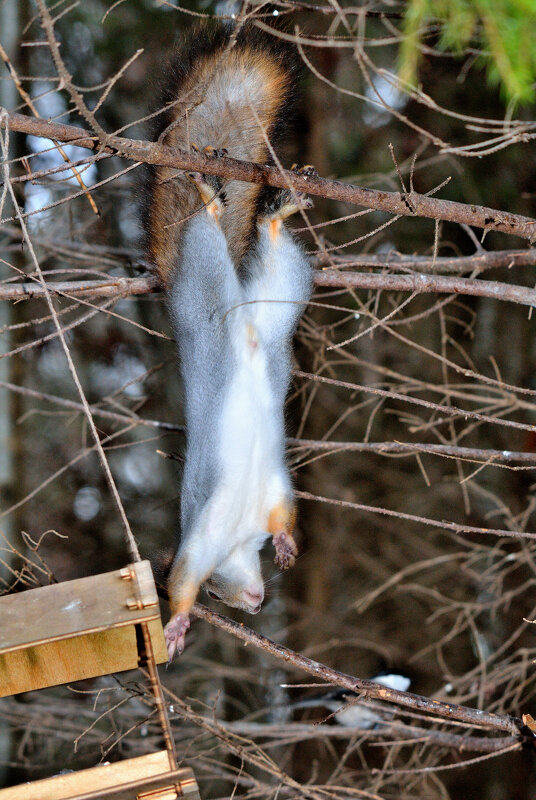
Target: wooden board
x=71, y=608
x=78, y=629
x=122, y=780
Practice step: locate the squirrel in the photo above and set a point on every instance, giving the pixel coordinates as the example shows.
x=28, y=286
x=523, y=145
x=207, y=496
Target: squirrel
x=236, y=284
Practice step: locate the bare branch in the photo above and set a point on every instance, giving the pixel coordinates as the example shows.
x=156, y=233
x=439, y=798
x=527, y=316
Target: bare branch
x=331, y=278
x=407, y=205
x=486, y=456
x=478, y=262
x=366, y=689
x=433, y=523
x=111, y=287
x=394, y=730
x=483, y=456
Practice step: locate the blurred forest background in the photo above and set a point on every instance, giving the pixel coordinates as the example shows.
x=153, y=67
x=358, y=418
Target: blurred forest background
x=369, y=591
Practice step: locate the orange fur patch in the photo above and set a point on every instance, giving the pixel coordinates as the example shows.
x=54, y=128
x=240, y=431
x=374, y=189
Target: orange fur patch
x=187, y=592
x=274, y=229
x=281, y=518
x=253, y=340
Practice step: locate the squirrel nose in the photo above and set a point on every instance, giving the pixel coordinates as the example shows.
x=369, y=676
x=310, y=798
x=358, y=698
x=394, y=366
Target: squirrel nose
x=254, y=600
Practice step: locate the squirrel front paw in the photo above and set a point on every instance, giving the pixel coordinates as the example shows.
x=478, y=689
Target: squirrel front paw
x=215, y=152
x=285, y=550
x=174, y=634
x=281, y=521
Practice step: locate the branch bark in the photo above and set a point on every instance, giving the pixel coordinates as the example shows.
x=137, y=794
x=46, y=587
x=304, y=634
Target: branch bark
x=407, y=205
x=111, y=287
x=331, y=278
x=479, y=455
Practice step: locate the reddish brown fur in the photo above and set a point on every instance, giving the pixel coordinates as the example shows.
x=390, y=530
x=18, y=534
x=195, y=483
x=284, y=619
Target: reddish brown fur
x=211, y=110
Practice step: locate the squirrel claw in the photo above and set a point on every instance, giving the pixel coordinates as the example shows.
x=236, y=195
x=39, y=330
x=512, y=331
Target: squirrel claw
x=215, y=152
x=302, y=201
x=297, y=203
x=209, y=151
x=285, y=550
x=308, y=171
x=174, y=633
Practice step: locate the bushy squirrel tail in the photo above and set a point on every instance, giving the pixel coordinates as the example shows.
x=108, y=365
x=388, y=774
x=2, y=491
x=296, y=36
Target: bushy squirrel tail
x=224, y=90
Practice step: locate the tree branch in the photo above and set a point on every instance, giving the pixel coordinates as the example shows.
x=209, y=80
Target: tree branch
x=457, y=528
x=110, y=287
x=366, y=689
x=454, y=265
x=421, y=283
x=332, y=278
x=479, y=455
x=393, y=260
x=403, y=204
x=394, y=730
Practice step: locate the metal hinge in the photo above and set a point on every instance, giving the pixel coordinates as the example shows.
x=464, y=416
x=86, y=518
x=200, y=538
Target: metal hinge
x=186, y=787
x=165, y=793
x=142, y=580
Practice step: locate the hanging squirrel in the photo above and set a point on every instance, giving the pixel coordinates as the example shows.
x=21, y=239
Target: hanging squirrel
x=236, y=283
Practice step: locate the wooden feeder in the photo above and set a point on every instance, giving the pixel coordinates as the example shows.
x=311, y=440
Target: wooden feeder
x=144, y=778
x=78, y=629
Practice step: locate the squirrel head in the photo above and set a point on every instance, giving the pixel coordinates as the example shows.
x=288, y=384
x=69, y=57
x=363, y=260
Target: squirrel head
x=238, y=581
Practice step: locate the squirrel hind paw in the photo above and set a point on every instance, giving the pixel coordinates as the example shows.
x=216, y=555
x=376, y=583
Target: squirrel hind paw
x=307, y=170
x=278, y=204
x=209, y=151
x=210, y=191
x=215, y=152
x=285, y=550
x=174, y=634
x=207, y=185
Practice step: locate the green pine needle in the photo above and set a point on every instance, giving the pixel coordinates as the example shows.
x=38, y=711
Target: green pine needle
x=504, y=30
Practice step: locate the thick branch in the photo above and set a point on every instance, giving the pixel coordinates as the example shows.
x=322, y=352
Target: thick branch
x=412, y=204
x=422, y=284
x=333, y=278
x=367, y=689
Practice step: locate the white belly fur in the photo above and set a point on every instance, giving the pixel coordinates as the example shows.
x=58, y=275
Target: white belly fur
x=250, y=439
